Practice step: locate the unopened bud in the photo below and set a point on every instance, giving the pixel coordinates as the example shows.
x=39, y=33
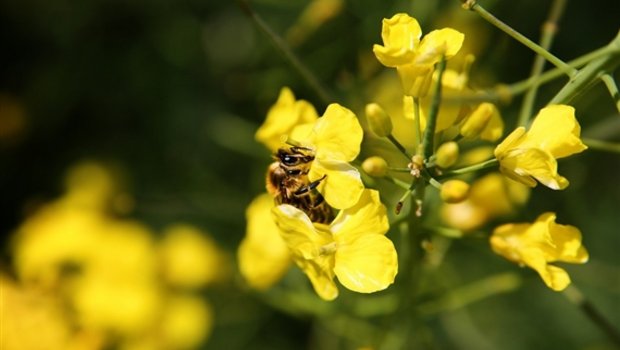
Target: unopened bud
x=454, y=191
x=379, y=121
x=375, y=166
x=478, y=120
x=447, y=154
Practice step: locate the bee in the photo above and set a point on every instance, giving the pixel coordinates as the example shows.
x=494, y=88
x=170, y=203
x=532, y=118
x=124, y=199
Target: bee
x=287, y=180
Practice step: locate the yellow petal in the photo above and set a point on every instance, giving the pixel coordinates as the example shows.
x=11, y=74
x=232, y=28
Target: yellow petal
x=282, y=117
x=321, y=275
x=566, y=240
x=556, y=130
x=510, y=142
x=297, y=231
x=555, y=277
x=342, y=187
x=534, y=163
x=442, y=42
x=368, y=264
x=400, y=34
x=263, y=255
x=415, y=78
x=368, y=216
x=337, y=135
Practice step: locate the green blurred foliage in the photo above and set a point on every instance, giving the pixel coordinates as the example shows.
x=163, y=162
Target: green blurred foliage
x=171, y=92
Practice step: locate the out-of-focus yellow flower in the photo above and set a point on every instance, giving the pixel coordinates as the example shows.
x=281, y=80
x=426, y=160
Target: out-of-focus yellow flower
x=538, y=244
x=491, y=196
x=282, y=117
x=530, y=156
x=447, y=154
x=484, y=122
x=415, y=58
x=353, y=247
x=379, y=121
x=186, y=322
x=314, y=15
x=190, y=258
x=30, y=320
x=335, y=140
x=263, y=256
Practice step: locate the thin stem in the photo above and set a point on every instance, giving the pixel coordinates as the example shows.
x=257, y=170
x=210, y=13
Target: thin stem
x=504, y=93
x=431, y=123
x=549, y=29
x=286, y=51
x=588, y=75
x=400, y=147
x=600, y=145
x=613, y=89
x=575, y=296
x=565, y=68
x=486, y=164
x=416, y=126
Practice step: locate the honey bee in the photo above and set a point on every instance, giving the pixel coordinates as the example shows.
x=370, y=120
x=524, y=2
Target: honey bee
x=287, y=180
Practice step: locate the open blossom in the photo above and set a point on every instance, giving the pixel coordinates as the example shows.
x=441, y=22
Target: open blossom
x=283, y=116
x=335, y=140
x=530, y=156
x=538, y=244
x=413, y=57
x=353, y=247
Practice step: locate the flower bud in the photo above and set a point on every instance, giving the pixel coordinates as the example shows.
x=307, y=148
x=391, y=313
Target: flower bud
x=478, y=120
x=375, y=166
x=454, y=191
x=447, y=154
x=378, y=120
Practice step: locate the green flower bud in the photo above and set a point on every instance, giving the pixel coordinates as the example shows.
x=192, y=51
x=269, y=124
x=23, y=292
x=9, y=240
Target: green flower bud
x=379, y=121
x=447, y=154
x=454, y=191
x=375, y=166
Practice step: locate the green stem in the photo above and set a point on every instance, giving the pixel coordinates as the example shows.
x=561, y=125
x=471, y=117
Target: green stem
x=589, y=75
x=504, y=93
x=549, y=29
x=486, y=164
x=565, y=68
x=416, y=126
x=286, y=51
x=600, y=145
x=613, y=89
x=574, y=295
x=400, y=147
x=431, y=122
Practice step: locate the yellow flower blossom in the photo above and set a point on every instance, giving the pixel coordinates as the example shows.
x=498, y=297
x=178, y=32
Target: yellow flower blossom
x=190, y=258
x=282, y=117
x=186, y=322
x=530, y=156
x=335, y=139
x=263, y=256
x=414, y=58
x=538, y=244
x=484, y=122
x=353, y=247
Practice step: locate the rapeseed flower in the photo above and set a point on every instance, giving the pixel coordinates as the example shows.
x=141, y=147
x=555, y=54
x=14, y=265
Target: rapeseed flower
x=538, y=244
x=353, y=247
x=530, y=156
x=414, y=58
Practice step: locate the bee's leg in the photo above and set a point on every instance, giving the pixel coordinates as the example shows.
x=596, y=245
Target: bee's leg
x=309, y=187
x=318, y=201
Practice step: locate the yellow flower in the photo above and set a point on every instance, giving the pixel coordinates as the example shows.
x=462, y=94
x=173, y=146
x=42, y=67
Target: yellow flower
x=282, y=117
x=353, y=247
x=485, y=122
x=335, y=140
x=415, y=58
x=186, y=322
x=530, y=156
x=263, y=256
x=538, y=244
x=191, y=258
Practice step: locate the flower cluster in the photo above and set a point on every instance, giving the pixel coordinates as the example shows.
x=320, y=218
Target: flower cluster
x=353, y=246
x=107, y=282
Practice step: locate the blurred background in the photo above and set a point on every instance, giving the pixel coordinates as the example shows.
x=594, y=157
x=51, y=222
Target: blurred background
x=139, y=117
